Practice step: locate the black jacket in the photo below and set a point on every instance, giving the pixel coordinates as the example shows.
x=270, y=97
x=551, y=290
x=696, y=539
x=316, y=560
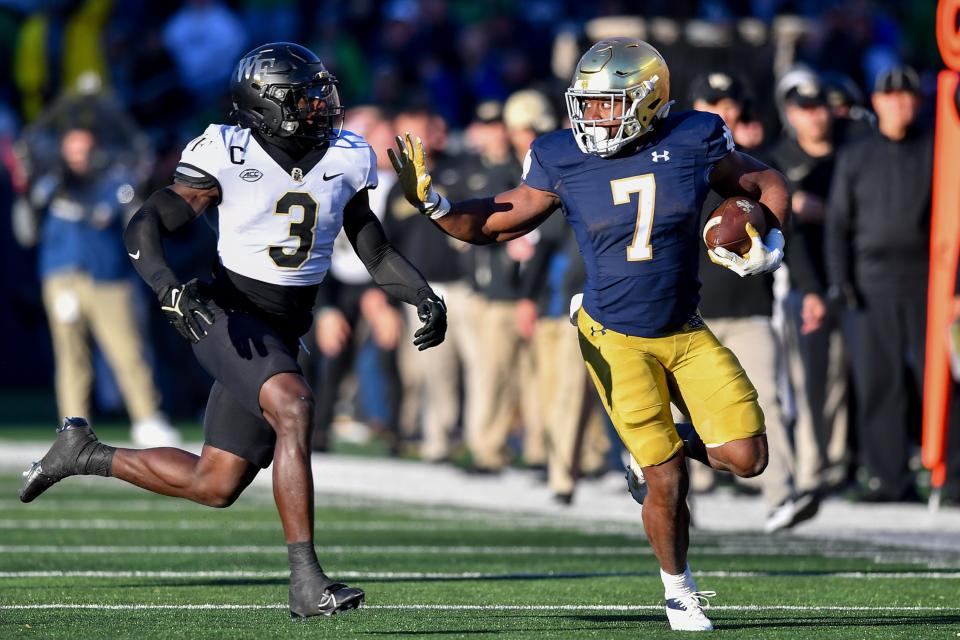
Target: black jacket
x=805, y=244
x=878, y=215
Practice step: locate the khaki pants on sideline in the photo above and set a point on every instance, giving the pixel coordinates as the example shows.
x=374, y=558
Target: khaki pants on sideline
x=569, y=412
x=755, y=344
x=496, y=395
x=431, y=378
x=818, y=375
x=78, y=306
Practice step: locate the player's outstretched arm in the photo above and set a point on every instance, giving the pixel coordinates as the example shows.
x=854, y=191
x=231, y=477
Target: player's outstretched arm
x=392, y=272
x=162, y=213
x=740, y=174
x=506, y=216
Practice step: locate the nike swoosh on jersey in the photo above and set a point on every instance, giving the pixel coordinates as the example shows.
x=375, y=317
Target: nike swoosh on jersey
x=326, y=177
x=135, y=256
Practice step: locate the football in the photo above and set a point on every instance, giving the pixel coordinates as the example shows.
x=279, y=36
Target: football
x=726, y=226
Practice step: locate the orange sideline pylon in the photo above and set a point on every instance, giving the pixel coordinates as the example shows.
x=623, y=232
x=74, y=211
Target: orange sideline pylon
x=944, y=246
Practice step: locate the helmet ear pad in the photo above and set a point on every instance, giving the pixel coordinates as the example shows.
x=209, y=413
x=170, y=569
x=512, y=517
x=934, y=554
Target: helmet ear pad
x=265, y=118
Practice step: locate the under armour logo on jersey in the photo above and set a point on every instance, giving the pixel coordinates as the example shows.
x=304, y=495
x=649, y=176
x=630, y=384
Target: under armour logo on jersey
x=297, y=174
x=657, y=157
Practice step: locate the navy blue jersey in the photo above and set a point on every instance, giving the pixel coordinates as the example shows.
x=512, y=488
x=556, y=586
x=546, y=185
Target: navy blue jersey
x=636, y=218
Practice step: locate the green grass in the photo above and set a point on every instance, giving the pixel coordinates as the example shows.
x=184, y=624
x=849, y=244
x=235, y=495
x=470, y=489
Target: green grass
x=528, y=563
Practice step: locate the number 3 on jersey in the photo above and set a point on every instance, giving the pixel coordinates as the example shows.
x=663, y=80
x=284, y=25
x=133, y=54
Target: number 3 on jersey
x=646, y=186
x=302, y=230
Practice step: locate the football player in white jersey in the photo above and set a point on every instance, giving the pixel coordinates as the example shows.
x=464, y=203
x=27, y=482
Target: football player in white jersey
x=284, y=179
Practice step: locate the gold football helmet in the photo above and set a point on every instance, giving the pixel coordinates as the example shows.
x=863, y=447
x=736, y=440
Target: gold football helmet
x=625, y=71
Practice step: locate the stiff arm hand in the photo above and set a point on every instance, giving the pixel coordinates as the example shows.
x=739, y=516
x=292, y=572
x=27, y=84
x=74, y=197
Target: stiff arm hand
x=410, y=165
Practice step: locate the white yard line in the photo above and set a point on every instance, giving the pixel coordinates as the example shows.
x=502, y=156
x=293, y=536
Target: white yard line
x=475, y=575
x=474, y=607
x=886, y=556
x=346, y=549
x=109, y=524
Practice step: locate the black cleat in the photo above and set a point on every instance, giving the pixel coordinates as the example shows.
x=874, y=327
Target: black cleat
x=334, y=598
x=74, y=439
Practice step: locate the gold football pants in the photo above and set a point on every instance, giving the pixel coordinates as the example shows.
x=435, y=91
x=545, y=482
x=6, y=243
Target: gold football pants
x=637, y=378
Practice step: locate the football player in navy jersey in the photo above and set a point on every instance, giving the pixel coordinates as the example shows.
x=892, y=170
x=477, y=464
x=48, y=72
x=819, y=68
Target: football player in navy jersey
x=284, y=179
x=631, y=180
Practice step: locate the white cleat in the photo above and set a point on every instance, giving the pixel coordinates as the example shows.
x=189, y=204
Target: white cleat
x=792, y=512
x=685, y=613
x=155, y=431
x=636, y=483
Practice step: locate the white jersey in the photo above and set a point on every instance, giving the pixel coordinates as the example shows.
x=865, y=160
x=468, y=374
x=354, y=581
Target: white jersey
x=274, y=226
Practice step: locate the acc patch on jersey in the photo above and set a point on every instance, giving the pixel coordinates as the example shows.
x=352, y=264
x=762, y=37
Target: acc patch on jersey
x=251, y=175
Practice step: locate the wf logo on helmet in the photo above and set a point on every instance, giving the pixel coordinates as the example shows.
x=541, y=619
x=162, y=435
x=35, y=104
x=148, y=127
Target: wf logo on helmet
x=253, y=65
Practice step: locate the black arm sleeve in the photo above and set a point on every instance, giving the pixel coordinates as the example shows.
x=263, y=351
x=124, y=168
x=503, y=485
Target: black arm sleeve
x=390, y=270
x=162, y=213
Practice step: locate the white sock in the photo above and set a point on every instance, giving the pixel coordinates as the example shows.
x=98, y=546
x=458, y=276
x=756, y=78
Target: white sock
x=677, y=585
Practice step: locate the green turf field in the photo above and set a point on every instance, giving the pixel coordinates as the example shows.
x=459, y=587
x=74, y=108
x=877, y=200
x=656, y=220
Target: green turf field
x=94, y=559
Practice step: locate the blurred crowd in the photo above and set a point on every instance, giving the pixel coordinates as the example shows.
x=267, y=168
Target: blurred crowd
x=102, y=95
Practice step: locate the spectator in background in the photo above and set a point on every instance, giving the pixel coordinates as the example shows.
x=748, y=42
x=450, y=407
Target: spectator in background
x=815, y=352
x=86, y=286
x=569, y=414
x=851, y=117
x=494, y=273
x=348, y=296
x=200, y=36
x=55, y=47
x=878, y=236
x=87, y=104
x=739, y=312
x=431, y=379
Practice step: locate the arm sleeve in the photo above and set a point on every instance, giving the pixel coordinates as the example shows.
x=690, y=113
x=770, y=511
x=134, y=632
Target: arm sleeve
x=389, y=269
x=162, y=213
x=839, y=223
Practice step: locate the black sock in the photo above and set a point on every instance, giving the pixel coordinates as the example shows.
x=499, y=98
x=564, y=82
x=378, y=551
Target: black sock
x=95, y=459
x=304, y=564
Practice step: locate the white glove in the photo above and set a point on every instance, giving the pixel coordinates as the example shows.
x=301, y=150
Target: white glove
x=764, y=256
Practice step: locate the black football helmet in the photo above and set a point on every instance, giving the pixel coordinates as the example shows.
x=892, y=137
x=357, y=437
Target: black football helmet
x=282, y=89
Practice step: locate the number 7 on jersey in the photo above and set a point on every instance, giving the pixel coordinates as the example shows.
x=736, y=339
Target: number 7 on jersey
x=646, y=186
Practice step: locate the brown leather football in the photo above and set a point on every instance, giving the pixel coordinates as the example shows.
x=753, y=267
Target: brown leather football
x=726, y=226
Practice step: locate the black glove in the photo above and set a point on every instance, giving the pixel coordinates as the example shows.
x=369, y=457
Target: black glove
x=843, y=297
x=433, y=314
x=185, y=307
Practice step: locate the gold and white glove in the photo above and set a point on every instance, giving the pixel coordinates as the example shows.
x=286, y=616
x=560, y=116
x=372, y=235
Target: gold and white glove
x=764, y=256
x=414, y=178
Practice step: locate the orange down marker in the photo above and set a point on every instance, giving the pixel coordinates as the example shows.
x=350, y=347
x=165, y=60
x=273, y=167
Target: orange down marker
x=944, y=246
